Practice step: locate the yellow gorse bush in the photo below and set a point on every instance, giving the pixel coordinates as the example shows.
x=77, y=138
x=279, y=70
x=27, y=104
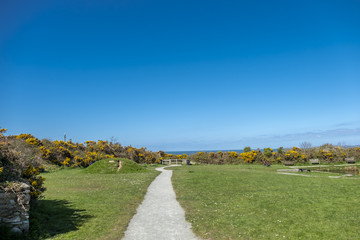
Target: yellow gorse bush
x=66, y=161
x=327, y=154
x=293, y=155
x=46, y=154
x=24, y=136
x=33, y=141
x=2, y=130
x=182, y=156
x=233, y=154
x=249, y=157
x=36, y=181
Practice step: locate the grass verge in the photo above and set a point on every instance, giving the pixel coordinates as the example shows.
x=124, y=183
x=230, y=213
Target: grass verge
x=86, y=205
x=254, y=202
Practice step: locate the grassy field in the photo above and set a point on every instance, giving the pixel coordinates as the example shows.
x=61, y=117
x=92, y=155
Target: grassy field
x=254, y=202
x=86, y=204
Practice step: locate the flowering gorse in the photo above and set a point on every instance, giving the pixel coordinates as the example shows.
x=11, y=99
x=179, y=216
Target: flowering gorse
x=249, y=157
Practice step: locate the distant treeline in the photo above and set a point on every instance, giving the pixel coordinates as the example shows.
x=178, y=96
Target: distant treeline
x=326, y=153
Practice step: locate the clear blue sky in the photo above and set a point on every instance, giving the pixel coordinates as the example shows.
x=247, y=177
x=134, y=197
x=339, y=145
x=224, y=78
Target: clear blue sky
x=182, y=75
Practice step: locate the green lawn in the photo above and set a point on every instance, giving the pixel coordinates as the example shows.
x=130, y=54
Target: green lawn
x=81, y=205
x=254, y=202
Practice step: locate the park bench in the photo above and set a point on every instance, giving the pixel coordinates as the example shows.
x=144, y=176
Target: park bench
x=350, y=160
x=288, y=163
x=314, y=161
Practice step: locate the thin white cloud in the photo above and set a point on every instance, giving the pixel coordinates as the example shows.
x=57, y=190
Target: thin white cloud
x=350, y=136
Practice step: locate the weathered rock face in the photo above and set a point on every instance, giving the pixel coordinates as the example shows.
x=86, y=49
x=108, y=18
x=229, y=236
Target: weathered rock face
x=14, y=208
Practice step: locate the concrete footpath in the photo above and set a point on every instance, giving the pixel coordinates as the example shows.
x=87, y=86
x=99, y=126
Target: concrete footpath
x=160, y=216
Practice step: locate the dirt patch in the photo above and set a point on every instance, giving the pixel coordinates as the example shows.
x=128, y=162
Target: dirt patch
x=119, y=165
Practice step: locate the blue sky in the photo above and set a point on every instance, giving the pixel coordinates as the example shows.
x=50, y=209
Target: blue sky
x=182, y=75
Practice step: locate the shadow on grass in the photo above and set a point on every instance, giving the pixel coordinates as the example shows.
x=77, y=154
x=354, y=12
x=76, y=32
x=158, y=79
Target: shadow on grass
x=52, y=217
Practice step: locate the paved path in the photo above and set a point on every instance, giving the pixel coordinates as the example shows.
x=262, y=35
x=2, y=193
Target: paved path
x=160, y=216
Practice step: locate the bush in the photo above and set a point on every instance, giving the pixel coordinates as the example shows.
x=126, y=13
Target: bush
x=20, y=161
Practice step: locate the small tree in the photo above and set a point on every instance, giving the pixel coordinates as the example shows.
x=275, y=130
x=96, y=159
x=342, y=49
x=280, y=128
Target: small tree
x=247, y=149
x=268, y=152
x=306, y=147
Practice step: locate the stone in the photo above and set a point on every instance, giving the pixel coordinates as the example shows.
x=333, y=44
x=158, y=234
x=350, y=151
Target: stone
x=15, y=214
x=12, y=220
x=24, y=186
x=4, y=206
x=17, y=223
x=7, y=215
x=26, y=199
x=16, y=230
x=25, y=225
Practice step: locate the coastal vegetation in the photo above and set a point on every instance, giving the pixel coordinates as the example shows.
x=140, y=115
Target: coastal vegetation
x=23, y=157
x=93, y=189
x=326, y=154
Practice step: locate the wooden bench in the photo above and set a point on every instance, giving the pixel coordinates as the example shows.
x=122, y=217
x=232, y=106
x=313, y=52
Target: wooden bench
x=288, y=163
x=350, y=160
x=314, y=161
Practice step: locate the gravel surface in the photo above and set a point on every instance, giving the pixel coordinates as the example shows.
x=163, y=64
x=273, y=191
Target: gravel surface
x=159, y=216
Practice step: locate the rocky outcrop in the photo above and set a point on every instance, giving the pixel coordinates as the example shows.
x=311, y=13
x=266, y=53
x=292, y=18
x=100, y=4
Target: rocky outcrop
x=14, y=207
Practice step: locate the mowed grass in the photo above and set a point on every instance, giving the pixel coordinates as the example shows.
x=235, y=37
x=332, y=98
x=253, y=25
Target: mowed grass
x=110, y=166
x=254, y=202
x=81, y=204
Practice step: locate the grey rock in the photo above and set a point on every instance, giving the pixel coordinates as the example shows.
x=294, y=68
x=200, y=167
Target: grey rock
x=24, y=186
x=16, y=223
x=26, y=199
x=25, y=225
x=13, y=213
x=12, y=220
x=16, y=230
